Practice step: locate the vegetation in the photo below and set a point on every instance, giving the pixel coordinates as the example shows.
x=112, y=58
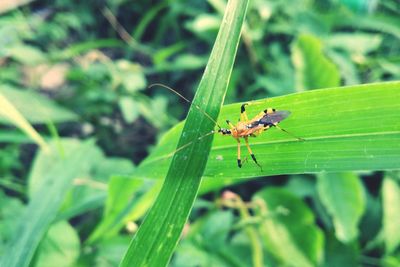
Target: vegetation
x=86, y=145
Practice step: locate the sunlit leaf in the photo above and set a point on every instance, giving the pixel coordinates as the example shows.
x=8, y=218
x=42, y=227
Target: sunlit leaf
x=343, y=196
x=313, y=69
x=157, y=237
x=334, y=123
x=391, y=214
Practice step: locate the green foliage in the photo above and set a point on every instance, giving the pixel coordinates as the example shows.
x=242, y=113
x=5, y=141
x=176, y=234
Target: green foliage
x=158, y=235
x=44, y=203
x=391, y=195
x=80, y=69
x=313, y=69
x=315, y=117
x=290, y=234
x=343, y=196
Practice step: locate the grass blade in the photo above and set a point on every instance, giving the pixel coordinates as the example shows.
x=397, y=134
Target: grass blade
x=346, y=128
x=44, y=205
x=12, y=115
x=158, y=235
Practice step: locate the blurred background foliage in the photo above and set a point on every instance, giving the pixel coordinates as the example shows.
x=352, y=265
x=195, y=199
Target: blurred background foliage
x=81, y=69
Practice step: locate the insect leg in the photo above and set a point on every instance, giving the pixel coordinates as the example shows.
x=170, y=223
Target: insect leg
x=292, y=135
x=230, y=124
x=243, y=115
x=251, y=152
x=239, y=161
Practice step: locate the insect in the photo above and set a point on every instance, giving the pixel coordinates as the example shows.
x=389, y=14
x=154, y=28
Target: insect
x=245, y=128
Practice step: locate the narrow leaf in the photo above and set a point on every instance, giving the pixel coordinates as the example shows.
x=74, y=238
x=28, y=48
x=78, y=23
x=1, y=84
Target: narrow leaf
x=158, y=235
x=13, y=116
x=35, y=107
x=343, y=196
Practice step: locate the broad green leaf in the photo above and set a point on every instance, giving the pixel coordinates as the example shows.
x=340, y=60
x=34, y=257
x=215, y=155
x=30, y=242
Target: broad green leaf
x=60, y=246
x=345, y=128
x=292, y=236
x=44, y=204
x=313, y=69
x=343, y=196
x=157, y=237
x=391, y=214
x=35, y=107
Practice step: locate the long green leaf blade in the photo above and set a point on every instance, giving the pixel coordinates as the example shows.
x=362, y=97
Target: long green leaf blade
x=44, y=205
x=346, y=128
x=158, y=235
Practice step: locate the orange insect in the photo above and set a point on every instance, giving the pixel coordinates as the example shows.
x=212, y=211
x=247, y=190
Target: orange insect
x=245, y=128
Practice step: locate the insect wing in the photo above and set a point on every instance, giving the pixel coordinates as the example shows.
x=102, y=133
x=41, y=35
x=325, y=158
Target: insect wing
x=274, y=117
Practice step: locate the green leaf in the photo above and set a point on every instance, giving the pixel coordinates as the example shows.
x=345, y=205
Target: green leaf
x=120, y=202
x=313, y=69
x=338, y=254
x=291, y=236
x=346, y=128
x=343, y=196
x=197, y=250
x=11, y=115
x=391, y=214
x=10, y=210
x=26, y=54
x=34, y=107
x=158, y=235
x=60, y=246
x=44, y=204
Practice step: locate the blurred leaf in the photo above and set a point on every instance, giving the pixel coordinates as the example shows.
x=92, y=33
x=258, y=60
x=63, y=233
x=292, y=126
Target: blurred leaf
x=110, y=252
x=7, y=5
x=313, y=69
x=343, y=196
x=130, y=75
x=333, y=122
x=338, y=254
x=207, y=243
x=60, y=247
x=26, y=54
x=44, y=205
x=360, y=43
x=391, y=214
x=35, y=107
x=129, y=109
x=10, y=210
x=204, y=23
x=120, y=201
x=291, y=236
x=159, y=233
x=12, y=115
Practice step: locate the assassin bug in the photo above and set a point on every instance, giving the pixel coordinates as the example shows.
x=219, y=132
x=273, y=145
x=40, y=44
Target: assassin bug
x=245, y=128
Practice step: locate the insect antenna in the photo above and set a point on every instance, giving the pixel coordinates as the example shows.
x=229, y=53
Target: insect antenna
x=187, y=100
